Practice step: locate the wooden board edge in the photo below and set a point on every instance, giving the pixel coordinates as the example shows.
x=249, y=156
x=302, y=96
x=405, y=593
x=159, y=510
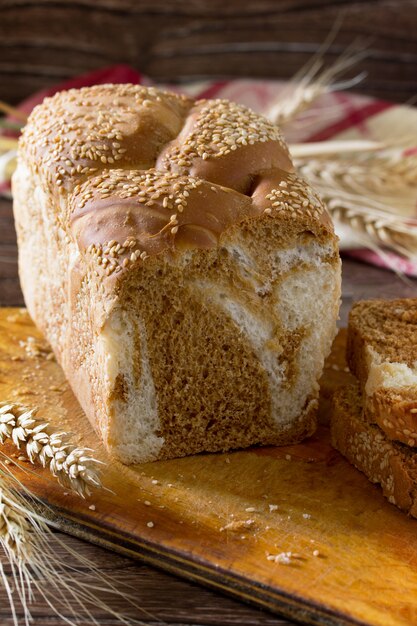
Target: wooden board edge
x=205, y=574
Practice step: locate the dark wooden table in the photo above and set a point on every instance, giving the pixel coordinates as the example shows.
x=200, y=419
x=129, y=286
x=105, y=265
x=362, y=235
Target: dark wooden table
x=44, y=42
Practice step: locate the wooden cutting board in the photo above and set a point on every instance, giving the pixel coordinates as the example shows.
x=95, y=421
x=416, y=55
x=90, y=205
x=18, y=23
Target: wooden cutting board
x=217, y=517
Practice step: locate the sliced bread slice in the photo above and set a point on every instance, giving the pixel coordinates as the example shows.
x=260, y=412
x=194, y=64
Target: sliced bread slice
x=391, y=464
x=382, y=354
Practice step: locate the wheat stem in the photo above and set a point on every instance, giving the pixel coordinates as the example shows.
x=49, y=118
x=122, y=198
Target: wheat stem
x=9, y=110
x=326, y=148
x=35, y=569
x=312, y=82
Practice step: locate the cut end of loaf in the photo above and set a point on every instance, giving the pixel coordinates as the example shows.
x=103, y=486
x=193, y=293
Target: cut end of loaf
x=223, y=349
x=381, y=353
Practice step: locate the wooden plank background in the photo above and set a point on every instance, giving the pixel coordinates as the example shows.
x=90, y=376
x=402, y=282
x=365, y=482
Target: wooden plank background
x=44, y=42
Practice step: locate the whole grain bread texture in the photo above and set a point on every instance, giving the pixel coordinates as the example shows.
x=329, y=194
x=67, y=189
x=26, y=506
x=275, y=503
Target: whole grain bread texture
x=187, y=278
x=381, y=352
x=391, y=464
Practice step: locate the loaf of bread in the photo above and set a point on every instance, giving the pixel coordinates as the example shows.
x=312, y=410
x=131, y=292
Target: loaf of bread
x=390, y=464
x=187, y=279
x=381, y=352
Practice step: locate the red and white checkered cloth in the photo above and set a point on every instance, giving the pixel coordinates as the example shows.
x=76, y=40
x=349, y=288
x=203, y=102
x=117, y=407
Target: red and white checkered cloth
x=338, y=115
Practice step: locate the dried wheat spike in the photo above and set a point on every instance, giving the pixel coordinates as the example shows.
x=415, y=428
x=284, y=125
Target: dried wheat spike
x=374, y=195
x=14, y=527
x=73, y=467
x=313, y=80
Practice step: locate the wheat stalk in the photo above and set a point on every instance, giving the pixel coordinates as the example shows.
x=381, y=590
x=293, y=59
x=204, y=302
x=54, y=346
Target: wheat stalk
x=363, y=194
x=10, y=110
x=312, y=82
x=335, y=147
x=39, y=564
x=14, y=527
x=16, y=542
x=74, y=467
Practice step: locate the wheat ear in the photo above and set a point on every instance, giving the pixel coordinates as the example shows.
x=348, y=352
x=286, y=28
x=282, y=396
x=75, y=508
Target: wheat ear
x=374, y=196
x=312, y=82
x=39, y=564
x=74, y=467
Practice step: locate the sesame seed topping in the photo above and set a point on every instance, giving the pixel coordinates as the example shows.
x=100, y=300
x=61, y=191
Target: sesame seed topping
x=299, y=201
x=87, y=144
x=219, y=127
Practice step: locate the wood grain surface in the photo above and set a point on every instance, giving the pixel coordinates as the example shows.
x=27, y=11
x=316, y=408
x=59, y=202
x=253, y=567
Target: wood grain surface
x=209, y=518
x=45, y=41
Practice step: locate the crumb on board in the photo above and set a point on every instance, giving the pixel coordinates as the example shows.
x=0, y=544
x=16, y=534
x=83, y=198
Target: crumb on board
x=316, y=553
x=306, y=515
x=12, y=318
x=250, y=509
x=238, y=525
x=92, y=507
x=273, y=507
x=150, y=524
x=155, y=482
x=147, y=503
x=283, y=558
x=35, y=348
x=288, y=457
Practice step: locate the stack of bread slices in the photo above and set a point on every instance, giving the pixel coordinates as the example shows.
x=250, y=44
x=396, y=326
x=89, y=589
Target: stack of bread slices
x=374, y=422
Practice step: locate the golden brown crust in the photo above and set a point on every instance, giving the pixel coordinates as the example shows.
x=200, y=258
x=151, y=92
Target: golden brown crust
x=77, y=133
x=147, y=171
x=395, y=411
x=227, y=144
x=383, y=461
x=287, y=196
x=155, y=210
